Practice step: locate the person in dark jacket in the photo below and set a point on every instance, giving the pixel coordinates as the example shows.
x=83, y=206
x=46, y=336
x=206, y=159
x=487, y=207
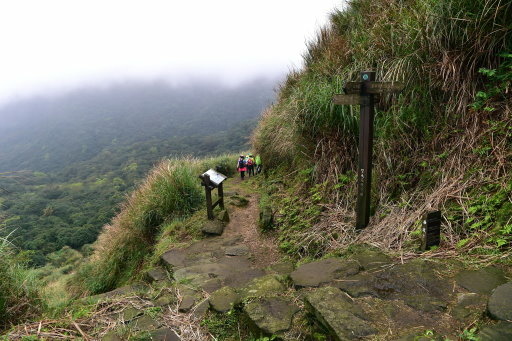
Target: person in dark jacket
x=241, y=166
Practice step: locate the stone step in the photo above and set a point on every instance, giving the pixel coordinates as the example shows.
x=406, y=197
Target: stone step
x=340, y=315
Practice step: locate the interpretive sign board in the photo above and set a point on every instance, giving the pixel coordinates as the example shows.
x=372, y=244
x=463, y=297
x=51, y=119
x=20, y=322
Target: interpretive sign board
x=216, y=178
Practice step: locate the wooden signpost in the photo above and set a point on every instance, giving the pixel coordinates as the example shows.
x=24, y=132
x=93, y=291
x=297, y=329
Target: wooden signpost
x=211, y=180
x=363, y=94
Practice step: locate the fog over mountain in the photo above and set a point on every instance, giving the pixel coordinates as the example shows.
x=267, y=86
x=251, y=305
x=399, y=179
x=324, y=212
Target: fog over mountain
x=48, y=133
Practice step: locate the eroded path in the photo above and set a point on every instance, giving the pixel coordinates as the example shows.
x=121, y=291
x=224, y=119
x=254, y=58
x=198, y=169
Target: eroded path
x=244, y=223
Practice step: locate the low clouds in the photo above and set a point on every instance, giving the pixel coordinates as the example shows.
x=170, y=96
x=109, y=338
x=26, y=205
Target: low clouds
x=56, y=44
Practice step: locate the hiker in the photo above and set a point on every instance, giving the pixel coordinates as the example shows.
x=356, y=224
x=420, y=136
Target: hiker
x=241, y=166
x=258, y=164
x=250, y=165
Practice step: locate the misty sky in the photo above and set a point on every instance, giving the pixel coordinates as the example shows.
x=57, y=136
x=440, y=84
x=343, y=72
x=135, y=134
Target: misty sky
x=54, y=45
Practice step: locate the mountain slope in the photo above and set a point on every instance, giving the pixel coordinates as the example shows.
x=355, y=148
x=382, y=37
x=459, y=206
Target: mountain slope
x=46, y=134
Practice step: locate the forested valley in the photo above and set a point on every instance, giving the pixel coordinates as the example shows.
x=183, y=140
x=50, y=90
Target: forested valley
x=67, y=161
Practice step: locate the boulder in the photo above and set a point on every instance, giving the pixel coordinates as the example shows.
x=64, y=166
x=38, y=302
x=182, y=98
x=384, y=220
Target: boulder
x=500, y=303
x=224, y=299
x=481, y=281
x=338, y=314
x=213, y=227
x=272, y=315
x=323, y=271
x=501, y=331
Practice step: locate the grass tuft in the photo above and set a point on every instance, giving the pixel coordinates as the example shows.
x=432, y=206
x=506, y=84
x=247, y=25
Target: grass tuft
x=151, y=219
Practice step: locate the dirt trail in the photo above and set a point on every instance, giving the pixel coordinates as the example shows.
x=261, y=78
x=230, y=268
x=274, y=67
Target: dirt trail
x=244, y=222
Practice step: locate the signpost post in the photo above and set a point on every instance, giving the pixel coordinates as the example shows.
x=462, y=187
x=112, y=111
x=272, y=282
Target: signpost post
x=363, y=93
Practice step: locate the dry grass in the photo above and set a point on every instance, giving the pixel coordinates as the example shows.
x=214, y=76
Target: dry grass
x=108, y=316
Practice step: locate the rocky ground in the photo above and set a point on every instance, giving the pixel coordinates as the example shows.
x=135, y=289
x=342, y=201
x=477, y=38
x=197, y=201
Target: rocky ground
x=364, y=295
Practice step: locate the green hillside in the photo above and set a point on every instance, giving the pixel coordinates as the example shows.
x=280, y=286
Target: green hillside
x=443, y=143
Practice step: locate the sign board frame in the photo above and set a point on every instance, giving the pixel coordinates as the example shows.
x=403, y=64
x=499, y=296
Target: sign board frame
x=212, y=179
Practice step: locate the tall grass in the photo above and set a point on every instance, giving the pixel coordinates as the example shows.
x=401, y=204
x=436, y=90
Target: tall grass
x=19, y=293
x=170, y=193
x=424, y=136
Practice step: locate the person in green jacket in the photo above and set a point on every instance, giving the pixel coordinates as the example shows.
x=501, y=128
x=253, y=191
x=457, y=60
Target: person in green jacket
x=258, y=164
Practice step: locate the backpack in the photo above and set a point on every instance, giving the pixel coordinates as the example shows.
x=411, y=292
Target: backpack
x=241, y=163
x=250, y=162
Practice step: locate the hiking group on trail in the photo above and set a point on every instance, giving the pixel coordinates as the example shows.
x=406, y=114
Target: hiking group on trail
x=247, y=164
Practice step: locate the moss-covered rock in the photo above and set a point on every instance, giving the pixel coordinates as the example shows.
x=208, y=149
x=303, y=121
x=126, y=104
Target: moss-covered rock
x=266, y=220
x=164, y=334
x=501, y=331
x=469, y=307
x=265, y=286
x=272, y=315
x=500, y=303
x=370, y=258
x=323, y=271
x=145, y=323
x=335, y=312
x=213, y=227
x=224, y=299
x=238, y=201
x=156, y=274
x=481, y=281
x=223, y=216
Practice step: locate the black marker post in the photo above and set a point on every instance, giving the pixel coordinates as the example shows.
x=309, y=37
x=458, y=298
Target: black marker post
x=364, y=174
